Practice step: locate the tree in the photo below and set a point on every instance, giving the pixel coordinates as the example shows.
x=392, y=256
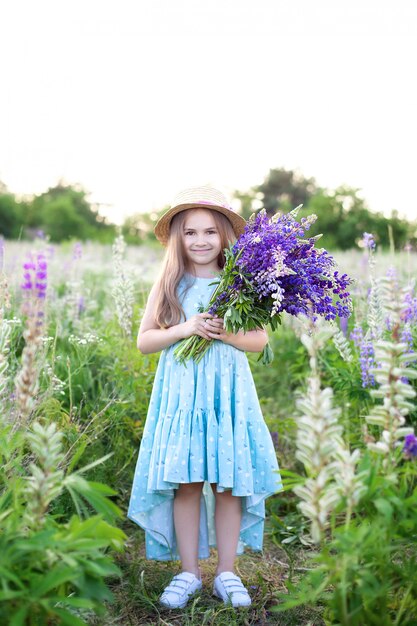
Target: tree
x=285, y=189
x=138, y=228
x=64, y=212
x=11, y=216
x=60, y=220
x=343, y=217
x=281, y=190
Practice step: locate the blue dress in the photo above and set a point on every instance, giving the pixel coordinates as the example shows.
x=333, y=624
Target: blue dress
x=204, y=423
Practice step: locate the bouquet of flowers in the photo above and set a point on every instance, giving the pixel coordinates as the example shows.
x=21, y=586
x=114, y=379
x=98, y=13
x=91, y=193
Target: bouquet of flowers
x=270, y=269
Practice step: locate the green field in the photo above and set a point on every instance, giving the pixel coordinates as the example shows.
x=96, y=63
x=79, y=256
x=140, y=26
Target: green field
x=74, y=390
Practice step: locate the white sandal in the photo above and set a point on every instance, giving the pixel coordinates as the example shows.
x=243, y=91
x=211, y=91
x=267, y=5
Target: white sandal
x=229, y=588
x=179, y=590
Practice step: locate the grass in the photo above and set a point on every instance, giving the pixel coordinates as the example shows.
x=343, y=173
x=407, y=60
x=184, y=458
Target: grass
x=137, y=593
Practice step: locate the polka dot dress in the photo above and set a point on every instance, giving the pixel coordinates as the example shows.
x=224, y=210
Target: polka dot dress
x=204, y=423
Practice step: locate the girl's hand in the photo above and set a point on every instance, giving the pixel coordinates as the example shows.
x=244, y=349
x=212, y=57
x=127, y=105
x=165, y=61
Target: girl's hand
x=196, y=325
x=215, y=329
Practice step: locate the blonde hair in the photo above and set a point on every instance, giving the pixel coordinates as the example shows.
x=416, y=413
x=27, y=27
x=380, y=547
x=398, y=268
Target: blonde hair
x=168, y=310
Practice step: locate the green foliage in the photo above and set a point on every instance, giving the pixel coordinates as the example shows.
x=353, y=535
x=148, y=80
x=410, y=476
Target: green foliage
x=62, y=212
x=343, y=215
x=100, y=405
x=60, y=220
x=11, y=216
x=138, y=228
x=285, y=189
x=366, y=570
x=107, y=386
x=51, y=568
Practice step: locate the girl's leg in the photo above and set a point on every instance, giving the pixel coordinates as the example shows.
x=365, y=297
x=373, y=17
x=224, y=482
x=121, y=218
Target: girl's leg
x=187, y=524
x=227, y=519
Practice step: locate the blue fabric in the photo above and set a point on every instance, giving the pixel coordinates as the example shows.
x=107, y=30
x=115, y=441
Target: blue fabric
x=204, y=423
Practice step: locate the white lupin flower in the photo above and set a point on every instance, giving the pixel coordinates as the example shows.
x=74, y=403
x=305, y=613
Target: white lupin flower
x=5, y=331
x=395, y=394
x=376, y=313
x=348, y=484
x=342, y=346
x=46, y=480
x=123, y=292
x=330, y=467
x=392, y=373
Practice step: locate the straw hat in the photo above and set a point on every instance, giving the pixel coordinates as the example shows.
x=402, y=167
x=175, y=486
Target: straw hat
x=198, y=198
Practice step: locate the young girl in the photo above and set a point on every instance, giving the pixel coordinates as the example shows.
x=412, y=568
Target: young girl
x=204, y=432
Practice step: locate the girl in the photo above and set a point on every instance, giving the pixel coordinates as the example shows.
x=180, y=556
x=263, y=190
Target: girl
x=204, y=433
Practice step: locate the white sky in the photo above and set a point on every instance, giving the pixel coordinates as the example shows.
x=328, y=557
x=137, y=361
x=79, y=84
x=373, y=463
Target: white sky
x=137, y=99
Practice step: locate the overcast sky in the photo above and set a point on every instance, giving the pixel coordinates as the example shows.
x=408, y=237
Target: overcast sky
x=137, y=99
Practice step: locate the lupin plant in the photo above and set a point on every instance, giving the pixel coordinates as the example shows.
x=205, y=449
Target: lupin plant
x=73, y=302
x=342, y=345
x=46, y=479
x=5, y=332
x=51, y=566
x=392, y=376
x=123, y=291
x=33, y=308
x=330, y=467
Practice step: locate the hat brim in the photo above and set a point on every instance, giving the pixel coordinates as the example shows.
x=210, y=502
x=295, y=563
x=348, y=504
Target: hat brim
x=163, y=225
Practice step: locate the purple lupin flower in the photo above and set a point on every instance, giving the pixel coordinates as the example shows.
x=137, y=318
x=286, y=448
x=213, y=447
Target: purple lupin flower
x=270, y=269
x=77, y=251
x=356, y=335
x=35, y=270
x=410, y=446
x=367, y=361
x=407, y=337
x=41, y=275
x=81, y=305
x=343, y=323
x=35, y=274
x=368, y=241
x=409, y=313
x=287, y=270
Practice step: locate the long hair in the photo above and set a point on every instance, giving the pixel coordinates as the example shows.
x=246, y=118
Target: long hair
x=168, y=310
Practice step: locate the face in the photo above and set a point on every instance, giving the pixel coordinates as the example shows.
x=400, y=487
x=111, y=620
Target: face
x=201, y=240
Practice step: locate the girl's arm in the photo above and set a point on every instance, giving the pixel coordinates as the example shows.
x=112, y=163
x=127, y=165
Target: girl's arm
x=252, y=341
x=152, y=338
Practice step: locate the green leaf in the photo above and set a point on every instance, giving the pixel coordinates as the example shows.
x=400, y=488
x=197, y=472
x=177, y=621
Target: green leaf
x=57, y=576
x=267, y=355
x=19, y=618
x=384, y=507
x=94, y=532
x=5, y=573
x=79, y=603
x=69, y=619
x=94, y=463
x=82, y=443
x=93, y=495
